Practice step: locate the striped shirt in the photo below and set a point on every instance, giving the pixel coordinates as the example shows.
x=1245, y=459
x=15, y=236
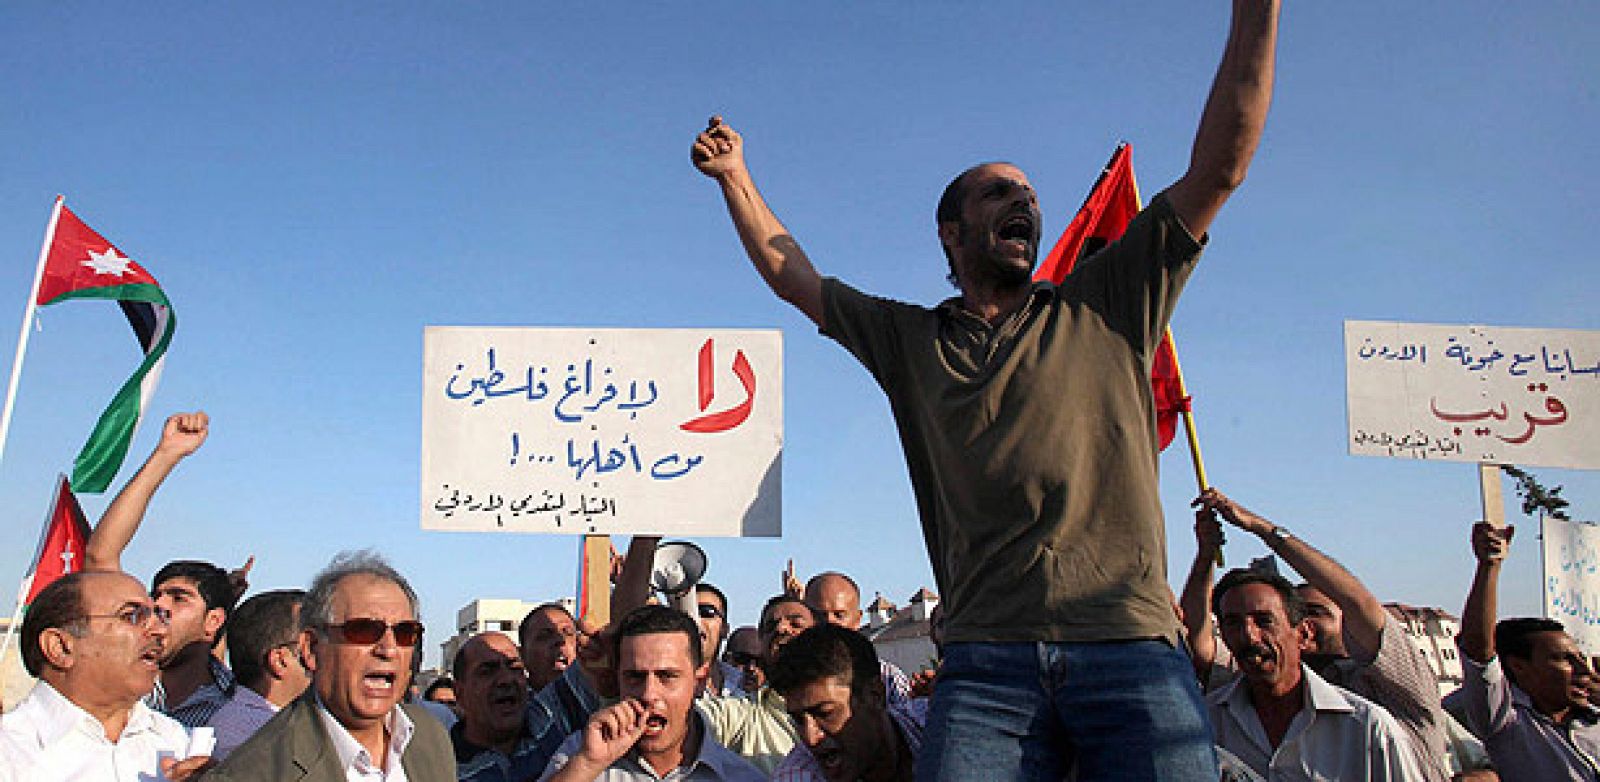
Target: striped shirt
x=202, y=704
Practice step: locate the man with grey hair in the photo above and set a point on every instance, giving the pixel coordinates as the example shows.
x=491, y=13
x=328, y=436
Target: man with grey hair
x=360, y=633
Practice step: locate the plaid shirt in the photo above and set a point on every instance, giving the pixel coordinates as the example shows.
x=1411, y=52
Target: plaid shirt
x=198, y=709
x=800, y=766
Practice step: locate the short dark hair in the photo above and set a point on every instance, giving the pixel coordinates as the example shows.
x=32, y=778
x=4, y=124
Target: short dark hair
x=437, y=685
x=949, y=208
x=259, y=625
x=774, y=602
x=212, y=582
x=703, y=588
x=1514, y=637
x=650, y=620
x=1294, y=606
x=828, y=650
x=59, y=605
x=522, y=627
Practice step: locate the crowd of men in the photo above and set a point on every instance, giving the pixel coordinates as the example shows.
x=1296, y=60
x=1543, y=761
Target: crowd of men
x=1027, y=423
x=1310, y=681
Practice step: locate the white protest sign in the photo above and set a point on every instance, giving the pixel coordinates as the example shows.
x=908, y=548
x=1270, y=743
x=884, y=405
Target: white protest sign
x=1473, y=393
x=1572, y=581
x=602, y=431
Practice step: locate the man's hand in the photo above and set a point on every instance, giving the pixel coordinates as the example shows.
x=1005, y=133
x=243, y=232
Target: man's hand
x=611, y=732
x=1490, y=544
x=1208, y=531
x=1236, y=514
x=791, y=585
x=594, y=656
x=239, y=578
x=718, y=151
x=182, y=770
x=183, y=434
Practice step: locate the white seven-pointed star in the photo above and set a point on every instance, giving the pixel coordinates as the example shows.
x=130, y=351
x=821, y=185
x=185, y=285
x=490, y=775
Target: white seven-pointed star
x=108, y=262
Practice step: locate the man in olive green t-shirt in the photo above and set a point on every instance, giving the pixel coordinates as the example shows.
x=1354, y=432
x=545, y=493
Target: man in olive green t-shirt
x=1026, y=418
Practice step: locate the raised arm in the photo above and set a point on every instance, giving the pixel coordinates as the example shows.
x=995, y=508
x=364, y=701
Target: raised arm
x=1363, y=614
x=182, y=435
x=719, y=153
x=1489, y=546
x=1235, y=113
x=1195, y=602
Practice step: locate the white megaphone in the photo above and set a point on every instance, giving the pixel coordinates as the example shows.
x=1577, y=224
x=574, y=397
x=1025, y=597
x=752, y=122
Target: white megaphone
x=678, y=566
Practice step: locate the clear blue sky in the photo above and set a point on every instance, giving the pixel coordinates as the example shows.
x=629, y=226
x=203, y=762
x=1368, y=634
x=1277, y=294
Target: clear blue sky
x=315, y=182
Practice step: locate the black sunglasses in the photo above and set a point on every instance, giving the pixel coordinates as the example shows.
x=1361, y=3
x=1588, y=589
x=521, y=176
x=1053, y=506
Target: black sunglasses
x=708, y=611
x=369, y=631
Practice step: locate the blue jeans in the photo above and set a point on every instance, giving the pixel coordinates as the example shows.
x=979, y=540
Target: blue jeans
x=1047, y=711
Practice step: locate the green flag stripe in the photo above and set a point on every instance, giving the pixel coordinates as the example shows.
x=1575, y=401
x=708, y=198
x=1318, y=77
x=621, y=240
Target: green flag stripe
x=103, y=454
x=134, y=292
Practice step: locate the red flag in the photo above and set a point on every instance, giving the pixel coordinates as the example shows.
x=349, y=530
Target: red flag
x=82, y=261
x=61, y=549
x=1112, y=203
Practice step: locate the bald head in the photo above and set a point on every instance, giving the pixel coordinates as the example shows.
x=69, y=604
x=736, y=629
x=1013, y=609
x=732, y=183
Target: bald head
x=835, y=599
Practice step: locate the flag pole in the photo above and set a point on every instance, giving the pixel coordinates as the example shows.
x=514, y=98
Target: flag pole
x=1189, y=431
x=11, y=629
x=27, y=318
x=26, y=585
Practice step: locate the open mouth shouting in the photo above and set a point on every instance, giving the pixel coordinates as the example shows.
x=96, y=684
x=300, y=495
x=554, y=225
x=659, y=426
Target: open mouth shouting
x=655, y=723
x=507, y=701
x=150, y=656
x=380, y=685
x=1018, y=232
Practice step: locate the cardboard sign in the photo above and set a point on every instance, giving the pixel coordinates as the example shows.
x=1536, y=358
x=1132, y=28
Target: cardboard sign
x=1473, y=393
x=602, y=431
x=1572, y=580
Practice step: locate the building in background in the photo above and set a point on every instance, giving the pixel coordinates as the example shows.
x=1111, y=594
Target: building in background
x=1433, y=631
x=490, y=613
x=901, y=635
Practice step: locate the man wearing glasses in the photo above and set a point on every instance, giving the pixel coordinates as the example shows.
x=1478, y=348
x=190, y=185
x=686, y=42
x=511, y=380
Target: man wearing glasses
x=94, y=640
x=721, y=678
x=359, y=626
x=745, y=654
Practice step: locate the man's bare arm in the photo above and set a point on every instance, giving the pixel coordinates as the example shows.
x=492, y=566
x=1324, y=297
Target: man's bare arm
x=1195, y=602
x=718, y=152
x=1489, y=547
x=1235, y=113
x=1364, y=615
x=182, y=435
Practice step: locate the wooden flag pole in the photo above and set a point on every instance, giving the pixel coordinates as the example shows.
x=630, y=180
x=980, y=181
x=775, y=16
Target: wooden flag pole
x=1190, y=432
x=594, y=580
x=1489, y=489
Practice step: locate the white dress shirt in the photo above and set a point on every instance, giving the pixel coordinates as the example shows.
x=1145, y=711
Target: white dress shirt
x=48, y=737
x=1337, y=735
x=357, y=761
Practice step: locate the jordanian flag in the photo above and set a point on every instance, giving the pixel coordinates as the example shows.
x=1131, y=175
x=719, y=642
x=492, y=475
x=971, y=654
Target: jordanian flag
x=83, y=265
x=61, y=546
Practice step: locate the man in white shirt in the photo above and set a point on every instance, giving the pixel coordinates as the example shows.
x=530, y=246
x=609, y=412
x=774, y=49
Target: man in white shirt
x=264, y=634
x=94, y=639
x=1280, y=718
x=654, y=732
x=359, y=626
